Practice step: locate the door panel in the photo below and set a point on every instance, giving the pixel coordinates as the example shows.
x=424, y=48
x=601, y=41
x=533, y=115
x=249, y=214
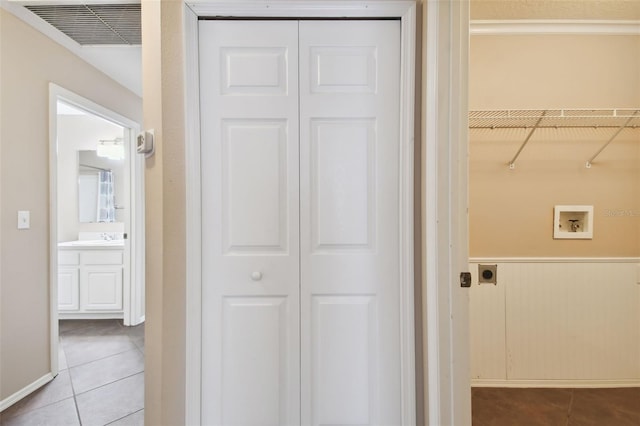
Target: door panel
x=254, y=351
x=344, y=376
x=343, y=69
x=68, y=288
x=250, y=209
x=342, y=184
x=254, y=179
x=103, y=288
x=349, y=225
x=253, y=70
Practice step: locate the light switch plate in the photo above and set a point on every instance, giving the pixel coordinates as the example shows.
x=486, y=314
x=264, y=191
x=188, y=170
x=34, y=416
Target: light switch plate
x=23, y=219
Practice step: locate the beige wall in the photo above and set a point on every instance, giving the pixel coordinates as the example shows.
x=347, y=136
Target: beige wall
x=511, y=211
x=29, y=62
x=555, y=9
x=165, y=346
x=546, y=71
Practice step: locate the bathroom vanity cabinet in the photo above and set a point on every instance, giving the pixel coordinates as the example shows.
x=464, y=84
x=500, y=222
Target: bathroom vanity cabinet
x=90, y=281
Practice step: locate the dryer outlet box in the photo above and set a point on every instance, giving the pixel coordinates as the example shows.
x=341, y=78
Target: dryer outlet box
x=488, y=274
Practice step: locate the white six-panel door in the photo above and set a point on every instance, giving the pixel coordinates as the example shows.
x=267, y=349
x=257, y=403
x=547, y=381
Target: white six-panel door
x=300, y=184
x=349, y=233
x=250, y=207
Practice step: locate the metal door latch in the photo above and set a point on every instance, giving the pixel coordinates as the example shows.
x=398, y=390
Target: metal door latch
x=465, y=279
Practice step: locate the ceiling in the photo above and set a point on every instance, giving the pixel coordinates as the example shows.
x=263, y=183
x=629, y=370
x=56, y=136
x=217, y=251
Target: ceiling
x=106, y=33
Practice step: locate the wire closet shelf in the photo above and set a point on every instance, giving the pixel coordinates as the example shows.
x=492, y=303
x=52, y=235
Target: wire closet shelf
x=533, y=119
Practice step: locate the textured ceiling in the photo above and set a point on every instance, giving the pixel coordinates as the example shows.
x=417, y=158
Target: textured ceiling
x=556, y=9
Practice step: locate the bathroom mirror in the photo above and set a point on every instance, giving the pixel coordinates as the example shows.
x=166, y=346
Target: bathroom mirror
x=100, y=188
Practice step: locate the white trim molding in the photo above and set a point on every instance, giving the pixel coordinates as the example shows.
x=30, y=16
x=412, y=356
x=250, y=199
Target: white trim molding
x=445, y=217
x=406, y=12
x=303, y=9
x=551, y=27
x=193, y=338
x=25, y=391
x=405, y=229
x=620, y=383
x=554, y=260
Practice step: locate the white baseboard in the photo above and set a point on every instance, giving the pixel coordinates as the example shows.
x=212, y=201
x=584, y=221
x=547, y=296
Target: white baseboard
x=12, y=399
x=617, y=383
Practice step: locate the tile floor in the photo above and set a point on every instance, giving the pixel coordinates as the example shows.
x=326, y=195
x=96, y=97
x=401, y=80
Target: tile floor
x=556, y=407
x=100, y=382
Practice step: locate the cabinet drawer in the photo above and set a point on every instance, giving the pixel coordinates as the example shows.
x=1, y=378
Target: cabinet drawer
x=68, y=257
x=102, y=257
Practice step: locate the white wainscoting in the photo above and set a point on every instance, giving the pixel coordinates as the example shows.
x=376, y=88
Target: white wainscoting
x=556, y=322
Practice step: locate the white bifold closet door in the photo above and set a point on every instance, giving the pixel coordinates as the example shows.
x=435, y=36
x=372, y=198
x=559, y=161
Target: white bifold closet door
x=300, y=200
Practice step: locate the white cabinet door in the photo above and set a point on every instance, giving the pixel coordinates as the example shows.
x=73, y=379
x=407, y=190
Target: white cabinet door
x=349, y=226
x=101, y=288
x=68, y=288
x=250, y=253
x=300, y=244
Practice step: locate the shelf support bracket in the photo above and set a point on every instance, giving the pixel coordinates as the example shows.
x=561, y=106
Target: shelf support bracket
x=621, y=128
x=512, y=163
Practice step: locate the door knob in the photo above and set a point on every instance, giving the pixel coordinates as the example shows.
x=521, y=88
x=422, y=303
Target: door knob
x=256, y=276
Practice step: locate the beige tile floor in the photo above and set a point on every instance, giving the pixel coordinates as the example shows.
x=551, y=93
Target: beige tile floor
x=100, y=382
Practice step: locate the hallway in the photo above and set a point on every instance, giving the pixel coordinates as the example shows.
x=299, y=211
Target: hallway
x=100, y=382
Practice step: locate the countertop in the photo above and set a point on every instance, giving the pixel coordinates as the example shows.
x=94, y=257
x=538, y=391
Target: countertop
x=92, y=244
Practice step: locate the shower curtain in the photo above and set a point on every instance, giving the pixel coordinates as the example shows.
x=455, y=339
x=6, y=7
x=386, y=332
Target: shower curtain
x=106, y=199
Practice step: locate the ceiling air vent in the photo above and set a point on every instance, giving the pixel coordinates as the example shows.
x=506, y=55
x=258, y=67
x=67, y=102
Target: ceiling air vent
x=94, y=24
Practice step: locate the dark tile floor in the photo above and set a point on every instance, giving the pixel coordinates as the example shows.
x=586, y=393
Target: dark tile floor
x=556, y=407
x=100, y=382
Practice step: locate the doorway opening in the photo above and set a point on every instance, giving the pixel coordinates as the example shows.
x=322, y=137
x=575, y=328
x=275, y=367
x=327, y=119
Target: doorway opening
x=96, y=215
